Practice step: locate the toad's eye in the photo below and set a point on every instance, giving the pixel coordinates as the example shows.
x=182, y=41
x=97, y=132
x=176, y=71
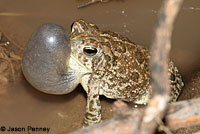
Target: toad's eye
x=90, y=50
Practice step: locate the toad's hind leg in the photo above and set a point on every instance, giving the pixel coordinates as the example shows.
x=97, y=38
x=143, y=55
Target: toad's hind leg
x=176, y=82
x=93, y=107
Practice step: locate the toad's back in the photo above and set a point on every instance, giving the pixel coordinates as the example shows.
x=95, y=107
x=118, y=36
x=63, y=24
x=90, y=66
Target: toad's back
x=124, y=70
x=120, y=67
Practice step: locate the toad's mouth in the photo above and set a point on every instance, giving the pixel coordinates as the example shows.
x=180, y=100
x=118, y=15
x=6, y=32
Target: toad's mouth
x=77, y=66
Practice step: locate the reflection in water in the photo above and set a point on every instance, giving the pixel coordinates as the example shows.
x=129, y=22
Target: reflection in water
x=12, y=14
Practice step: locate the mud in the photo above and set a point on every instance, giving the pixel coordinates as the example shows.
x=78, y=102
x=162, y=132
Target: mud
x=22, y=105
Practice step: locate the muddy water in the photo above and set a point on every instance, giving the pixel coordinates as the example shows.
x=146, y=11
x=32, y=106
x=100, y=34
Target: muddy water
x=22, y=105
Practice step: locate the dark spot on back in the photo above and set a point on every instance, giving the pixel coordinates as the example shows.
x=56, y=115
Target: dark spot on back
x=134, y=76
x=172, y=77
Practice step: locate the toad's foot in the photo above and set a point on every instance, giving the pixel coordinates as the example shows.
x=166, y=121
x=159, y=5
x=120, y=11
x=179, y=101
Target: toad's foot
x=93, y=111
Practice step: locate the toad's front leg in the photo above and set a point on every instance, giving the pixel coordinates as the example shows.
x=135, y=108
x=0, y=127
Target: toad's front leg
x=93, y=107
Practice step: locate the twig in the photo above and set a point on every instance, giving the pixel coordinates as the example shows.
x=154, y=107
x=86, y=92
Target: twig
x=89, y=3
x=0, y=35
x=162, y=126
x=11, y=40
x=126, y=121
x=198, y=132
x=159, y=68
x=8, y=56
x=183, y=114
